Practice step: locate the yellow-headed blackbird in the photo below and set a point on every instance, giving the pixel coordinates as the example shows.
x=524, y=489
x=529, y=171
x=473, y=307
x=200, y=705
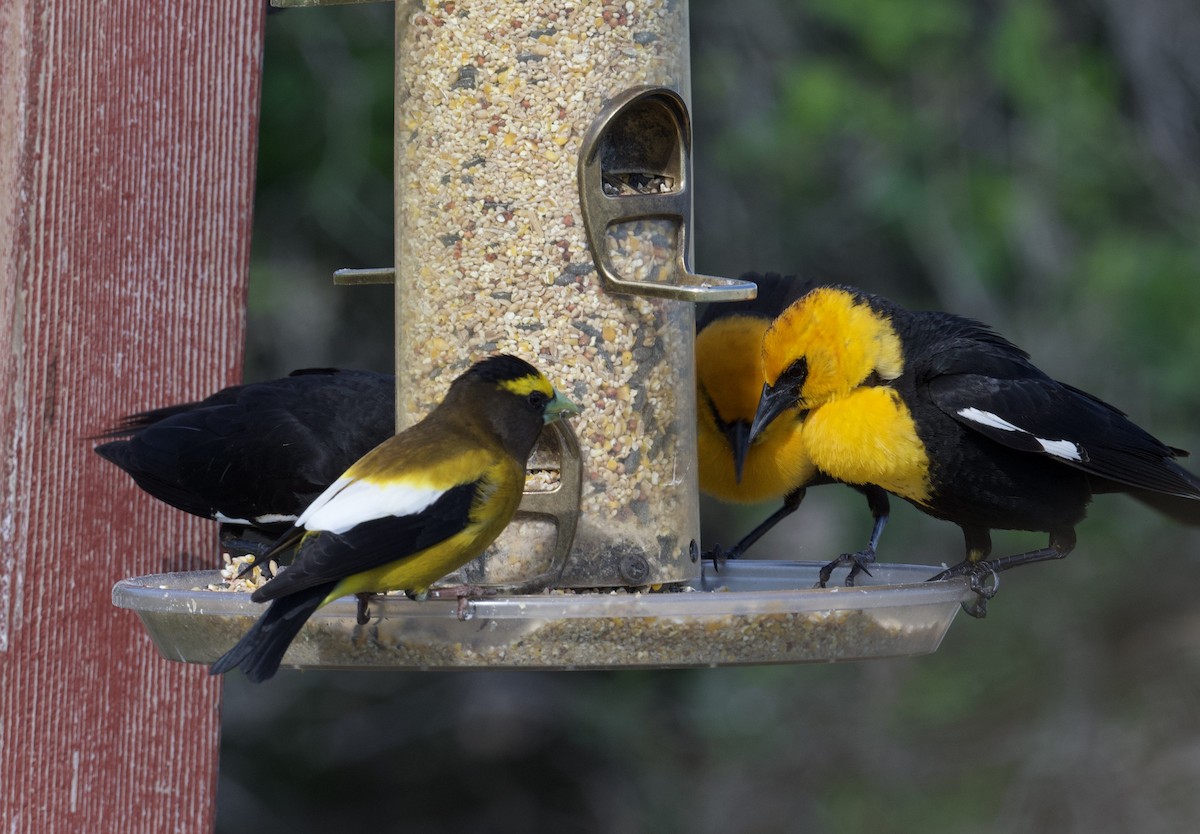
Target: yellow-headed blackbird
x=256, y=455
x=947, y=414
x=418, y=506
x=728, y=384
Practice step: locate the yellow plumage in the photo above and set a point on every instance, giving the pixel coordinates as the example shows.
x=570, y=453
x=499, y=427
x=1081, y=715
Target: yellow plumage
x=868, y=437
x=728, y=386
x=499, y=495
x=775, y=463
x=854, y=433
x=417, y=507
x=842, y=340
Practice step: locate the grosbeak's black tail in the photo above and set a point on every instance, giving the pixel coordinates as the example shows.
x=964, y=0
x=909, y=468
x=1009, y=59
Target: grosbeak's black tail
x=261, y=650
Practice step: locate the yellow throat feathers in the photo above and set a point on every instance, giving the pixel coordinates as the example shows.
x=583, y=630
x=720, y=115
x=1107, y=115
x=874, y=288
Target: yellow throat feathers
x=726, y=354
x=868, y=437
x=728, y=382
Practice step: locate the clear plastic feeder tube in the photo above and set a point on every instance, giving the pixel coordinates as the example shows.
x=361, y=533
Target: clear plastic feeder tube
x=492, y=102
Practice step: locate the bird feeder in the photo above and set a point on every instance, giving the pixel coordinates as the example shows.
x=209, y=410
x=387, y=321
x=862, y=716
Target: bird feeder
x=543, y=190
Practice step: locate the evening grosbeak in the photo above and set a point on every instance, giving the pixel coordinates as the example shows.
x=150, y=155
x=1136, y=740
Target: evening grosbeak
x=415, y=508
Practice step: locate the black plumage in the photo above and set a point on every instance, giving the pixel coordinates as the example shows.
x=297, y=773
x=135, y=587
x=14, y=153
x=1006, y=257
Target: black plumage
x=1064, y=444
x=256, y=454
x=944, y=412
x=415, y=508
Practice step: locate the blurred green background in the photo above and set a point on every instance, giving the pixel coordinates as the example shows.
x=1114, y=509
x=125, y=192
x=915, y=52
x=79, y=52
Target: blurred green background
x=1033, y=163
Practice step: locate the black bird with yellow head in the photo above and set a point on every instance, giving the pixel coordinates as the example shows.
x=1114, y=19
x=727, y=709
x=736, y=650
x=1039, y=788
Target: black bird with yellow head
x=954, y=418
x=775, y=465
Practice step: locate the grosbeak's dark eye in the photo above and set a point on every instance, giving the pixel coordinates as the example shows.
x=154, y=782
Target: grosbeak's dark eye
x=538, y=400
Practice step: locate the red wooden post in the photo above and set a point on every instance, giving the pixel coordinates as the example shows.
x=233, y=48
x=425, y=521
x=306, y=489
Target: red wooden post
x=127, y=140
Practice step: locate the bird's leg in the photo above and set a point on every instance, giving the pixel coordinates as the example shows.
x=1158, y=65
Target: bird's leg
x=877, y=500
x=363, y=615
x=1062, y=542
x=791, y=502
x=979, y=547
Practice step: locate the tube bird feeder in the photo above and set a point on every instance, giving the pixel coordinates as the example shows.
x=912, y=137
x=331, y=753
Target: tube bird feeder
x=543, y=206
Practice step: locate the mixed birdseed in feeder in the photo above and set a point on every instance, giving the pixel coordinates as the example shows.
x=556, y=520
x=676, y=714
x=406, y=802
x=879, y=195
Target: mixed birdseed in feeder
x=493, y=101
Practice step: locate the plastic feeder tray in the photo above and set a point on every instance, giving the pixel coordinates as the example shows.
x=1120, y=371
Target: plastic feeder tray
x=775, y=616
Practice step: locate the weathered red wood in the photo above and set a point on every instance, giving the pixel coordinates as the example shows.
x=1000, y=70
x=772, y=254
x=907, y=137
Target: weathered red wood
x=127, y=143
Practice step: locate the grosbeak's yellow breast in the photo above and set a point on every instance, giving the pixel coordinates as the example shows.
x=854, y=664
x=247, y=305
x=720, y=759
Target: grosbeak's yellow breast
x=419, y=571
x=501, y=481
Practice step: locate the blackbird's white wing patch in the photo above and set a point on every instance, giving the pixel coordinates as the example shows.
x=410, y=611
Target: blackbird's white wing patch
x=265, y=518
x=350, y=501
x=987, y=418
x=1064, y=449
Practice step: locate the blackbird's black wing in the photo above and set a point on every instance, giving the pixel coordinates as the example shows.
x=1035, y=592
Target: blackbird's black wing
x=331, y=557
x=261, y=449
x=1036, y=414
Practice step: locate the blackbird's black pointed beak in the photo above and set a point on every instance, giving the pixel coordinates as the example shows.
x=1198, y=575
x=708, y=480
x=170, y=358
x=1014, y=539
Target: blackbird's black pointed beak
x=772, y=403
x=738, y=435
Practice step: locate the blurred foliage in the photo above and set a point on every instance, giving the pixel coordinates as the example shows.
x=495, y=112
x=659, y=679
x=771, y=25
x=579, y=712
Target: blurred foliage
x=324, y=196
x=1033, y=163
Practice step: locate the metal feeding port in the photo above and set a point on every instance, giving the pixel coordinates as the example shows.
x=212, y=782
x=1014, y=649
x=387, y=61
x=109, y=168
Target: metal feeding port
x=635, y=178
x=543, y=205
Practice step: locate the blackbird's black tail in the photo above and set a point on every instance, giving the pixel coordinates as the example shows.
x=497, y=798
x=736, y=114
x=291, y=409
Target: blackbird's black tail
x=1176, y=507
x=261, y=650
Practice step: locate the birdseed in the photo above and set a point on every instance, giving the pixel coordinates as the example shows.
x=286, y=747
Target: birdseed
x=590, y=643
x=493, y=100
x=233, y=580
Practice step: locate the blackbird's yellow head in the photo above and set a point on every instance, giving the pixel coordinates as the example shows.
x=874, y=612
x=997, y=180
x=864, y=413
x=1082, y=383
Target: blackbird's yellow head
x=821, y=348
x=728, y=385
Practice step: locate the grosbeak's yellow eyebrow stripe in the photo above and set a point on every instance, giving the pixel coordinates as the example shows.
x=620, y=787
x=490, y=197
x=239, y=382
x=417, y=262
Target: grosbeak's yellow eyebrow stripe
x=526, y=385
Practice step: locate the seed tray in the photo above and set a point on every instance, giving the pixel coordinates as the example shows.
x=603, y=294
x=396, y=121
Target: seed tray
x=752, y=612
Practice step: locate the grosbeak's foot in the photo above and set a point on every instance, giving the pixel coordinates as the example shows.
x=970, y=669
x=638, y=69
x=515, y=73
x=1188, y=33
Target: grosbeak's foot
x=464, y=594
x=858, y=564
x=363, y=615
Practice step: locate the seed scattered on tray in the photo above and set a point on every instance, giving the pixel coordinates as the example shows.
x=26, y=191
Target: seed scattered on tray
x=726, y=639
x=232, y=578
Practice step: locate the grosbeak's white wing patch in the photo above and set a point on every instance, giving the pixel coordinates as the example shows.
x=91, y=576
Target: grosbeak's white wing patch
x=351, y=501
